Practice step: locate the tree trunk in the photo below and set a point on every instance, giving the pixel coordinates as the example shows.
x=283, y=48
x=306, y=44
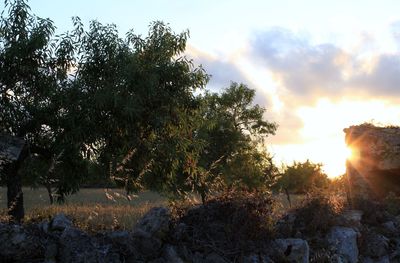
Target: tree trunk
x=15, y=197
x=14, y=150
x=203, y=197
x=50, y=193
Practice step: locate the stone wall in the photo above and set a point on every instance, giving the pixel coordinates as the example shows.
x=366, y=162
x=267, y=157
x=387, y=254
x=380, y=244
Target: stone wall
x=373, y=170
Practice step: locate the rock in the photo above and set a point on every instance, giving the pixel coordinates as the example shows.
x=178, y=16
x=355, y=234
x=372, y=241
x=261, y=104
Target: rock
x=389, y=226
x=352, y=217
x=51, y=252
x=344, y=241
x=60, y=222
x=384, y=259
x=44, y=226
x=18, y=244
x=215, y=258
x=149, y=246
x=76, y=246
x=180, y=231
x=254, y=258
x=170, y=255
x=197, y=258
x=377, y=163
x=293, y=249
x=375, y=245
x=338, y=259
x=156, y=222
x=122, y=243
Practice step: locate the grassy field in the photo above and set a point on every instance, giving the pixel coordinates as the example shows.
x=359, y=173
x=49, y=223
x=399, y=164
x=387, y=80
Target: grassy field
x=101, y=209
x=90, y=209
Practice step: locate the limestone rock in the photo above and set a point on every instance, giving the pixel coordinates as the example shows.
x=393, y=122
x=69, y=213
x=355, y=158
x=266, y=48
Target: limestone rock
x=375, y=245
x=214, y=258
x=17, y=244
x=76, y=246
x=293, y=249
x=384, y=259
x=254, y=258
x=60, y=222
x=156, y=222
x=344, y=241
x=375, y=162
x=170, y=255
x=148, y=245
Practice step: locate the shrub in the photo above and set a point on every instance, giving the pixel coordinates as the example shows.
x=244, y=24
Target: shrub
x=233, y=224
x=318, y=213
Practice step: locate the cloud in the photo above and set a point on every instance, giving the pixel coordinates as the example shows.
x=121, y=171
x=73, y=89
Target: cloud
x=308, y=71
x=302, y=69
x=223, y=71
x=383, y=77
x=305, y=72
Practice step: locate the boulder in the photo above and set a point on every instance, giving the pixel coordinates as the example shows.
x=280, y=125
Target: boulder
x=156, y=222
x=344, y=242
x=76, y=246
x=148, y=246
x=254, y=258
x=374, y=169
x=375, y=245
x=18, y=244
x=293, y=250
x=170, y=255
x=60, y=222
x=384, y=259
x=390, y=226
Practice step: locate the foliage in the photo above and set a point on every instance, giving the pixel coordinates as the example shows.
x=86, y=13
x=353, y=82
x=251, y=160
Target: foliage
x=318, y=213
x=392, y=203
x=33, y=80
x=302, y=177
x=90, y=101
x=234, y=133
x=139, y=94
x=125, y=104
x=232, y=224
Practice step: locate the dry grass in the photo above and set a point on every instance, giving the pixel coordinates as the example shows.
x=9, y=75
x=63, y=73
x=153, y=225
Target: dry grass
x=90, y=209
x=101, y=209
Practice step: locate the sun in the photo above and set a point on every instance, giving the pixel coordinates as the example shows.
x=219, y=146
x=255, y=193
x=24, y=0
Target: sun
x=333, y=156
x=348, y=153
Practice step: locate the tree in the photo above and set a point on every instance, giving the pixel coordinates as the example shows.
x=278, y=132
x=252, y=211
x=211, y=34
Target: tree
x=302, y=177
x=124, y=104
x=139, y=94
x=23, y=81
x=233, y=132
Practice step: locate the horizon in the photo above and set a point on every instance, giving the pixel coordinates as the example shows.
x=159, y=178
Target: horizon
x=316, y=70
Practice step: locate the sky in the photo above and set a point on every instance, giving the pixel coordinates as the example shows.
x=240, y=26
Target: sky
x=317, y=66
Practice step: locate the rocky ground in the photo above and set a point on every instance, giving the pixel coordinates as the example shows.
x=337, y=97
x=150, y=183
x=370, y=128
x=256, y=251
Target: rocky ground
x=223, y=230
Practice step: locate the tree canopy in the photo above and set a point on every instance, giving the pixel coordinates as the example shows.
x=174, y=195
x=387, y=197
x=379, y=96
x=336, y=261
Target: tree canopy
x=302, y=177
x=127, y=107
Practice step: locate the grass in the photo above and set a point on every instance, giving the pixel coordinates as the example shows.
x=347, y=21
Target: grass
x=101, y=209
x=90, y=209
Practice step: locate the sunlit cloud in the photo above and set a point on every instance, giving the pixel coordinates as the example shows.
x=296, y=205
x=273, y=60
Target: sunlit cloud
x=314, y=90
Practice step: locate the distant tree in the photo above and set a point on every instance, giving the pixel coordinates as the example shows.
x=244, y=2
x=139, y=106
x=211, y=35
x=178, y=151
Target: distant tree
x=301, y=177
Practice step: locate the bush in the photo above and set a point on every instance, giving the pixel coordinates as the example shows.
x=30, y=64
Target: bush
x=233, y=224
x=318, y=213
x=302, y=177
